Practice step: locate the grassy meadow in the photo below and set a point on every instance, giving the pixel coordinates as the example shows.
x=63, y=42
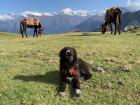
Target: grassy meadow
x=29, y=69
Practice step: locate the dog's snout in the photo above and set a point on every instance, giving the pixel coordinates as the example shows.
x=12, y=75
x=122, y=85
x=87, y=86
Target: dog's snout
x=68, y=53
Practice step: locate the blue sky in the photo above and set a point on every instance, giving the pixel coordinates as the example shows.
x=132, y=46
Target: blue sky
x=18, y=6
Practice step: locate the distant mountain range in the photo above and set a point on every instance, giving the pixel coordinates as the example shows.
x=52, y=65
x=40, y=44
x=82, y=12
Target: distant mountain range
x=57, y=22
x=66, y=20
x=89, y=25
x=131, y=18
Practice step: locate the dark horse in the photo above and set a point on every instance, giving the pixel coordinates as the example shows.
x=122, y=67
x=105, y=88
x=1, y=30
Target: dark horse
x=30, y=23
x=113, y=15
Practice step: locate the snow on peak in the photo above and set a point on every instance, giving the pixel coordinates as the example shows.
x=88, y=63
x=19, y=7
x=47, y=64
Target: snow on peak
x=26, y=13
x=68, y=11
x=39, y=14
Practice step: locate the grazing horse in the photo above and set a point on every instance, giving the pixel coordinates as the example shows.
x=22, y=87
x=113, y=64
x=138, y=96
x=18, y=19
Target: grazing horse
x=113, y=15
x=30, y=23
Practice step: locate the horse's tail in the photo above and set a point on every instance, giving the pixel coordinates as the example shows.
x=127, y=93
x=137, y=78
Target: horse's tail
x=21, y=28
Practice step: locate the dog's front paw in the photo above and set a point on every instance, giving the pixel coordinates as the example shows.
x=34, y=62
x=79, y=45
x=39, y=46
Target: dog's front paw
x=61, y=94
x=78, y=92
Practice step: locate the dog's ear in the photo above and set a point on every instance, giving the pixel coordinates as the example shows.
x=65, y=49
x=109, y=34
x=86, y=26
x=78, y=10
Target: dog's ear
x=62, y=52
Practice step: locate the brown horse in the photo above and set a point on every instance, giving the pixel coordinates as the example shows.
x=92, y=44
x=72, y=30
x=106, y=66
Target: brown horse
x=113, y=15
x=30, y=23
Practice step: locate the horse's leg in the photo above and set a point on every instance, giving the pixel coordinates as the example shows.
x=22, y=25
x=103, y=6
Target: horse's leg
x=22, y=33
x=118, y=28
x=26, y=33
x=119, y=23
x=115, y=28
x=22, y=29
x=36, y=32
x=111, y=28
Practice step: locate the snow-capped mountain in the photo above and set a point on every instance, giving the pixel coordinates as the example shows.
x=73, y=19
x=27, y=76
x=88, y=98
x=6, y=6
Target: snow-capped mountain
x=36, y=13
x=71, y=12
x=56, y=22
x=66, y=11
x=5, y=17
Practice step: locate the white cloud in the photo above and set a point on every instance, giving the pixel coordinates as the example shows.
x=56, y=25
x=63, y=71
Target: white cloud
x=6, y=17
x=133, y=5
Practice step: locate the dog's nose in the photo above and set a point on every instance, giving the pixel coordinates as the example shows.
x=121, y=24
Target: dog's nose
x=68, y=53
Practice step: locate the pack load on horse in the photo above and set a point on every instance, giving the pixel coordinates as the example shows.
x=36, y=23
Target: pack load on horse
x=30, y=23
x=112, y=15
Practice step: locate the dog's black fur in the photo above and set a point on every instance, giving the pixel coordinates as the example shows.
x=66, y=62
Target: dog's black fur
x=68, y=60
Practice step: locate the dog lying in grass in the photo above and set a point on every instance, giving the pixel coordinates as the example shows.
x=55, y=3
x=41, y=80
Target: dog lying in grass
x=72, y=69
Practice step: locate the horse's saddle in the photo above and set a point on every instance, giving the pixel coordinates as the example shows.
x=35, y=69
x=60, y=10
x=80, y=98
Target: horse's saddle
x=30, y=21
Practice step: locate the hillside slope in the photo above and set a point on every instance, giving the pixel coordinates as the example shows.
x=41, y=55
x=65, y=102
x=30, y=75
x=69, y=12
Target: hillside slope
x=90, y=25
x=29, y=69
x=131, y=18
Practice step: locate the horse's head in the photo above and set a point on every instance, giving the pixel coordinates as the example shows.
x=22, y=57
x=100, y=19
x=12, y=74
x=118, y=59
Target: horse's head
x=104, y=28
x=40, y=30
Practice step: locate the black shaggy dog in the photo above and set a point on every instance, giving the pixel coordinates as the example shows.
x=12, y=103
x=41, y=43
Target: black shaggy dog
x=72, y=69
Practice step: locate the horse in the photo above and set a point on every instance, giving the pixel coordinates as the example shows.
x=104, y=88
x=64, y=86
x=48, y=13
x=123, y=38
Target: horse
x=30, y=23
x=113, y=15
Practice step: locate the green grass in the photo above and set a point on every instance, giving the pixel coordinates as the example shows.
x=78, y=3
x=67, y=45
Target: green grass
x=29, y=69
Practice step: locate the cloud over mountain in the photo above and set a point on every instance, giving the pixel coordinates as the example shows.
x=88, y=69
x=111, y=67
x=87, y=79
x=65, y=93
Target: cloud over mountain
x=7, y=17
x=133, y=5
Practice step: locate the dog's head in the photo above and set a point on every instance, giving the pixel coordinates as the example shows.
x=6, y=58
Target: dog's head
x=68, y=54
